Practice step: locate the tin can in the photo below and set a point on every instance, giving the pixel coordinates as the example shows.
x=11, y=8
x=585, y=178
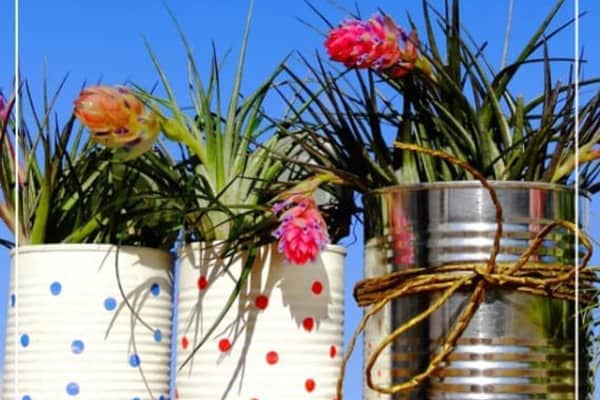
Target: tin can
x=516, y=346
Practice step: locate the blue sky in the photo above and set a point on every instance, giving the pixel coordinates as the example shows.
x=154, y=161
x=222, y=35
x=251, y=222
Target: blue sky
x=104, y=40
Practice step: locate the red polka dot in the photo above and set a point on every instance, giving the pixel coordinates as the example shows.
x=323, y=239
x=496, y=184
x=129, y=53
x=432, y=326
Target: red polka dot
x=310, y=385
x=224, y=345
x=272, y=357
x=308, y=324
x=184, y=342
x=261, y=302
x=317, y=287
x=332, y=351
x=202, y=283
x=176, y=393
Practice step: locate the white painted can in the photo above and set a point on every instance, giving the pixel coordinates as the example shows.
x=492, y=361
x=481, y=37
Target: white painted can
x=71, y=335
x=281, y=339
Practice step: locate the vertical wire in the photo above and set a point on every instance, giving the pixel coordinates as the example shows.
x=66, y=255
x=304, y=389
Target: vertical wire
x=576, y=111
x=15, y=257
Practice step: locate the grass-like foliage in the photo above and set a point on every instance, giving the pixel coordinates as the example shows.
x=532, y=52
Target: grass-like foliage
x=461, y=104
x=234, y=155
x=70, y=191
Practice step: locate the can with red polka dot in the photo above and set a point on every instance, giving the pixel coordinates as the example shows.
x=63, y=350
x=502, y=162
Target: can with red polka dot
x=281, y=338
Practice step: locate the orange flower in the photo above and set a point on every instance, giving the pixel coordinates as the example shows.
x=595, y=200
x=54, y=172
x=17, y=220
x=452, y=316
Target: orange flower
x=103, y=108
x=116, y=118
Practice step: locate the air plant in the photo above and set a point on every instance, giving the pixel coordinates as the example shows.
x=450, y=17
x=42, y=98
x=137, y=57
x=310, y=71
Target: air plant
x=71, y=191
x=454, y=101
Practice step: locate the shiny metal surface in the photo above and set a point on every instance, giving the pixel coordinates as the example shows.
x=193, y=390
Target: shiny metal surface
x=517, y=346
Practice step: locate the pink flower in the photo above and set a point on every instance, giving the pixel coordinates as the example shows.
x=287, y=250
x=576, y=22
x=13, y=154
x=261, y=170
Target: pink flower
x=4, y=110
x=408, y=56
x=302, y=232
x=375, y=44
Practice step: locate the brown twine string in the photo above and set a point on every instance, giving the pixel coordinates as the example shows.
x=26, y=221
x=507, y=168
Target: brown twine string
x=550, y=280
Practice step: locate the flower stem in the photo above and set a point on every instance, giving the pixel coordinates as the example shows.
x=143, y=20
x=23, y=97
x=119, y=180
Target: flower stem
x=175, y=131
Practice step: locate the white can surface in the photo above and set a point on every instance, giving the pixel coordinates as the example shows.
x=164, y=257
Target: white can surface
x=72, y=335
x=282, y=337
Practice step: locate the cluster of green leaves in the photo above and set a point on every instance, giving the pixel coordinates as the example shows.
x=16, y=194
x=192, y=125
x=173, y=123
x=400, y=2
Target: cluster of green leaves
x=235, y=160
x=350, y=119
x=71, y=191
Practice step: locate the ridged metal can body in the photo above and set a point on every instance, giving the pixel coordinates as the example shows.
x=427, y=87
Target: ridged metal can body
x=282, y=337
x=72, y=334
x=517, y=346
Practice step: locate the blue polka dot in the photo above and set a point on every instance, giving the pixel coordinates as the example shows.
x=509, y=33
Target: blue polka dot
x=136, y=398
x=55, y=288
x=72, y=389
x=134, y=360
x=24, y=340
x=26, y=397
x=161, y=397
x=13, y=300
x=110, y=303
x=157, y=335
x=77, y=346
x=155, y=289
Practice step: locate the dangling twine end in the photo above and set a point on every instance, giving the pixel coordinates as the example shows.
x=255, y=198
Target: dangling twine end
x=540, y=279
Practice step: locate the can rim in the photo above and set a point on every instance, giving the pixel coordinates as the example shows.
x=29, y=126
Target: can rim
x=200, y=245
x=86, y=247
x=473, y=184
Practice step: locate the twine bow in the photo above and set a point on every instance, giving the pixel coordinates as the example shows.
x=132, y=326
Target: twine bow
x=550, y=280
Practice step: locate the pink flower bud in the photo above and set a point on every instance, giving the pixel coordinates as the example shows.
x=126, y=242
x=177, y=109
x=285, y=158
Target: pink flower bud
x=374, y=44
x=302, y=232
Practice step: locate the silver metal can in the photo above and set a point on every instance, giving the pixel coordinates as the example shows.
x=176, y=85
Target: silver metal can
x=517, y=346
